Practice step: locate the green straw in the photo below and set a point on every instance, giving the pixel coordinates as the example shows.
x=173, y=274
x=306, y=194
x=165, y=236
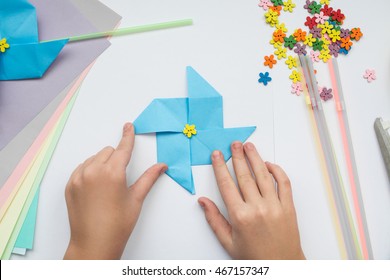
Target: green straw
x=130, y=30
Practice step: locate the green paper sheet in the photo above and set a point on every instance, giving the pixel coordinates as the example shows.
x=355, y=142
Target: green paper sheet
x=26, y=235
x=44, y=157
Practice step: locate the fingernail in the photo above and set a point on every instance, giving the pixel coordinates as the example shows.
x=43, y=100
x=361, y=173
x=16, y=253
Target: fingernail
x=216, y=155
x=127, y=126
x=163, y=169
x=237, y=145
x=202, y=204
x=250, y=146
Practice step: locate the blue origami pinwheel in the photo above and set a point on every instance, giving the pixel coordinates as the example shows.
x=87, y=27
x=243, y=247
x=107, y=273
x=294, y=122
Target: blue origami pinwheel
x=189, y=129
x=21, y=54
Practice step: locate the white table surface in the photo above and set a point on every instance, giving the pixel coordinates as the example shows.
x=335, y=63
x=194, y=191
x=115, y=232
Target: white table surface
x=226, y=45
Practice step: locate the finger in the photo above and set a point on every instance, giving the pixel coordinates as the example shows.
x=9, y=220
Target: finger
x=283, y=183
x=226, y=185
x=88, y=161
x=122, y=154
x=244, y=175
x=218, y=223
x=263, y=177
x=104, y=154
x=141, y=188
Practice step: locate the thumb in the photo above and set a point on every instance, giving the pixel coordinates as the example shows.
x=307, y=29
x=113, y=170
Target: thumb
x=142, y=186
x=221, y=227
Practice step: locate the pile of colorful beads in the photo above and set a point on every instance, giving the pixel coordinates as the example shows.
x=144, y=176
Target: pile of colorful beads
x=324, y=38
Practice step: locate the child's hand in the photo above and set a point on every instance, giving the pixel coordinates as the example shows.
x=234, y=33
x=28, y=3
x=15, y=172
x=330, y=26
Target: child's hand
x=263, y=223
x=102, y=209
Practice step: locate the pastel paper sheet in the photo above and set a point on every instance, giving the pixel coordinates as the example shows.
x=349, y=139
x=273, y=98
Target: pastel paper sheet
x=167, y=118
x=110, y=20
x=102, y=17
x=25, y=58
x=12, y=221
x=22, y=100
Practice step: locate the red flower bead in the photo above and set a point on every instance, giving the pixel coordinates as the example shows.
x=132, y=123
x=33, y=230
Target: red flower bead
x=337, y=16
x=327, y=10
x=310, y=22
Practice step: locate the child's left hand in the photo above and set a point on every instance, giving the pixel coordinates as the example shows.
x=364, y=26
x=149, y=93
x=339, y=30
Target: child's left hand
x=102, y=209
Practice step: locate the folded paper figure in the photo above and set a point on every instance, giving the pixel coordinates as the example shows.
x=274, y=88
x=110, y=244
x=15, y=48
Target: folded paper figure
x=189, y=129
x=21, y=54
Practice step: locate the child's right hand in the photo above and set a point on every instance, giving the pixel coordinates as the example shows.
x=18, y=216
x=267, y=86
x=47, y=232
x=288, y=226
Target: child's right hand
x=263, y=223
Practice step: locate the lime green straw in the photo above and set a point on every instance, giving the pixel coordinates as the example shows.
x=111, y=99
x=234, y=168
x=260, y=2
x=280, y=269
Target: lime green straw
x=130, y=30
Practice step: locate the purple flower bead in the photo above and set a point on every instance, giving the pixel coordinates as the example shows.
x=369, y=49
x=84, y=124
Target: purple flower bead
x=300, y=49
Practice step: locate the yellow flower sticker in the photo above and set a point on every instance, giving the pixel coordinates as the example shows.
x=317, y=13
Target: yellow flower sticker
x=3, y=45
x=189, y=130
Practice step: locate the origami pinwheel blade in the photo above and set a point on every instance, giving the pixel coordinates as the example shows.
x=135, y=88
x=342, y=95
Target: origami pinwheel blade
x=25, y=57
x=168, y=117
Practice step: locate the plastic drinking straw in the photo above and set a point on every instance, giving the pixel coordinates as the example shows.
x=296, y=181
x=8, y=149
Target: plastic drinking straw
x=332, y=203
x=350, y=160
x=129, y=30
x=347, y=225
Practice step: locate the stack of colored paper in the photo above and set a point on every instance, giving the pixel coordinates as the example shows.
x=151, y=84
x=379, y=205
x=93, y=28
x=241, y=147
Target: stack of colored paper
x=33, y=112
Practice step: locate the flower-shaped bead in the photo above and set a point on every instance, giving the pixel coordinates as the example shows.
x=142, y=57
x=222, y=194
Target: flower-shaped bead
x=265, y=4
x=370, y=75
x=275, y=44
x=325, y=55
x=356, y=34
x=296, y=88
x=343, y=51
x=316, y=31
x=278, y=36
x=315, y=56
x=337, y=16
x=324, y=2
x=300, y=49
x=346, y=43
x=189, y=130
x=344, y=33
x=318, y=45
x=326, y=27
x=310, y=22
x=326, y=94
x=291, y=62
x=281, y=52
x=314, y=8
x=269, y=61
x=282, y=27
x=289, y=42
x=271, y=18
x=300, y=35
x=265, y=78
x=327, y=10
x=288, y=6
x=276, y=9
x=335, y=35
x=334, y=49
x=321, y=18
x=309, y=40
x=3, y=45
x=295, y=76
